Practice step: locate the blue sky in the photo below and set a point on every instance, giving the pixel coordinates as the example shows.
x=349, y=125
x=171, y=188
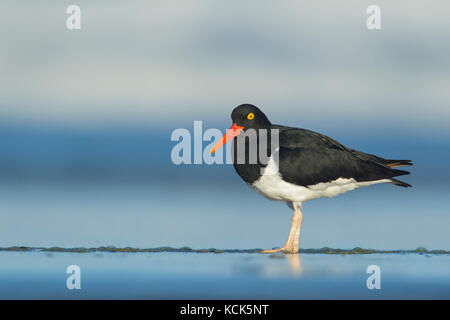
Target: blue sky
x=162, y=62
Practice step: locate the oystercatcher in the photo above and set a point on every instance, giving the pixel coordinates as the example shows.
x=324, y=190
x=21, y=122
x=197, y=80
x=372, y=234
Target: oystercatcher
x=303, y=165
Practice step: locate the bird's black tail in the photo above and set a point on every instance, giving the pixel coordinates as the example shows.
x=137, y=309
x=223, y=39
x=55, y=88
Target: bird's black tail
x=400, y=183
x=397, y=172
x=388, y=164
x=396, y=163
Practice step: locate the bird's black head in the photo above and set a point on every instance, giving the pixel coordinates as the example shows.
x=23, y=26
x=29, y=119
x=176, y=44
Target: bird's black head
x=249, y=116
x=245, y=116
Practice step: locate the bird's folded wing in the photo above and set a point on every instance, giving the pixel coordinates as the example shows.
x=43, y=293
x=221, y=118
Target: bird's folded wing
x=307, y=158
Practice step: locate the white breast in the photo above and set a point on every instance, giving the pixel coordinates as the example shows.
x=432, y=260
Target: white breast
x=272, y=186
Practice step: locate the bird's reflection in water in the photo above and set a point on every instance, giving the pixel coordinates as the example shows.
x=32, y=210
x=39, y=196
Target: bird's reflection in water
x=295, y=263
x=287, y=265
x=273, y=265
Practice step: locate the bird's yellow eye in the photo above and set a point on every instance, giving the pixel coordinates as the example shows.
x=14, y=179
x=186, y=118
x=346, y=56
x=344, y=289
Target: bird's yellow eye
x=250, y=116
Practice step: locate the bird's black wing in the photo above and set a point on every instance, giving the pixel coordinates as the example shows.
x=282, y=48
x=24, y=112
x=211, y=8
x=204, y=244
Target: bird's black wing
x=307, y=158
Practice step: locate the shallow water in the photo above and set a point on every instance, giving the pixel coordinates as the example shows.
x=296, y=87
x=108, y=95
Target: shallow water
x=175, y=275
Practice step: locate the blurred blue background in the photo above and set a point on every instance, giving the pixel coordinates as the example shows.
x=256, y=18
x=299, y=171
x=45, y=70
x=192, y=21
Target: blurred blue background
x=86, y=118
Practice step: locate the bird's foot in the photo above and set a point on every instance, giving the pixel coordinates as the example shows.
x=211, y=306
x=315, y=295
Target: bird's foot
x=271, y=250
x=284, y=249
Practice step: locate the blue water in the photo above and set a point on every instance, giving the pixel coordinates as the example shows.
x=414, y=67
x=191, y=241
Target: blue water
x=38, y=275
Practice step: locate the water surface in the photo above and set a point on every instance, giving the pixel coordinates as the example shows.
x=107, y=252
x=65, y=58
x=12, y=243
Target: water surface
x=176, y=275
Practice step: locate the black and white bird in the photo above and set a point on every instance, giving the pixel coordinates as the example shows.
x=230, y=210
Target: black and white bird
x=303, y=165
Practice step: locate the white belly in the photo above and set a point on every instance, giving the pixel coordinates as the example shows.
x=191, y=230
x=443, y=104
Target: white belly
x=272, y=186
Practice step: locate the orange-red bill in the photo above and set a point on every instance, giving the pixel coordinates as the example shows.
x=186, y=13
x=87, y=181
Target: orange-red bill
x=231, y=133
